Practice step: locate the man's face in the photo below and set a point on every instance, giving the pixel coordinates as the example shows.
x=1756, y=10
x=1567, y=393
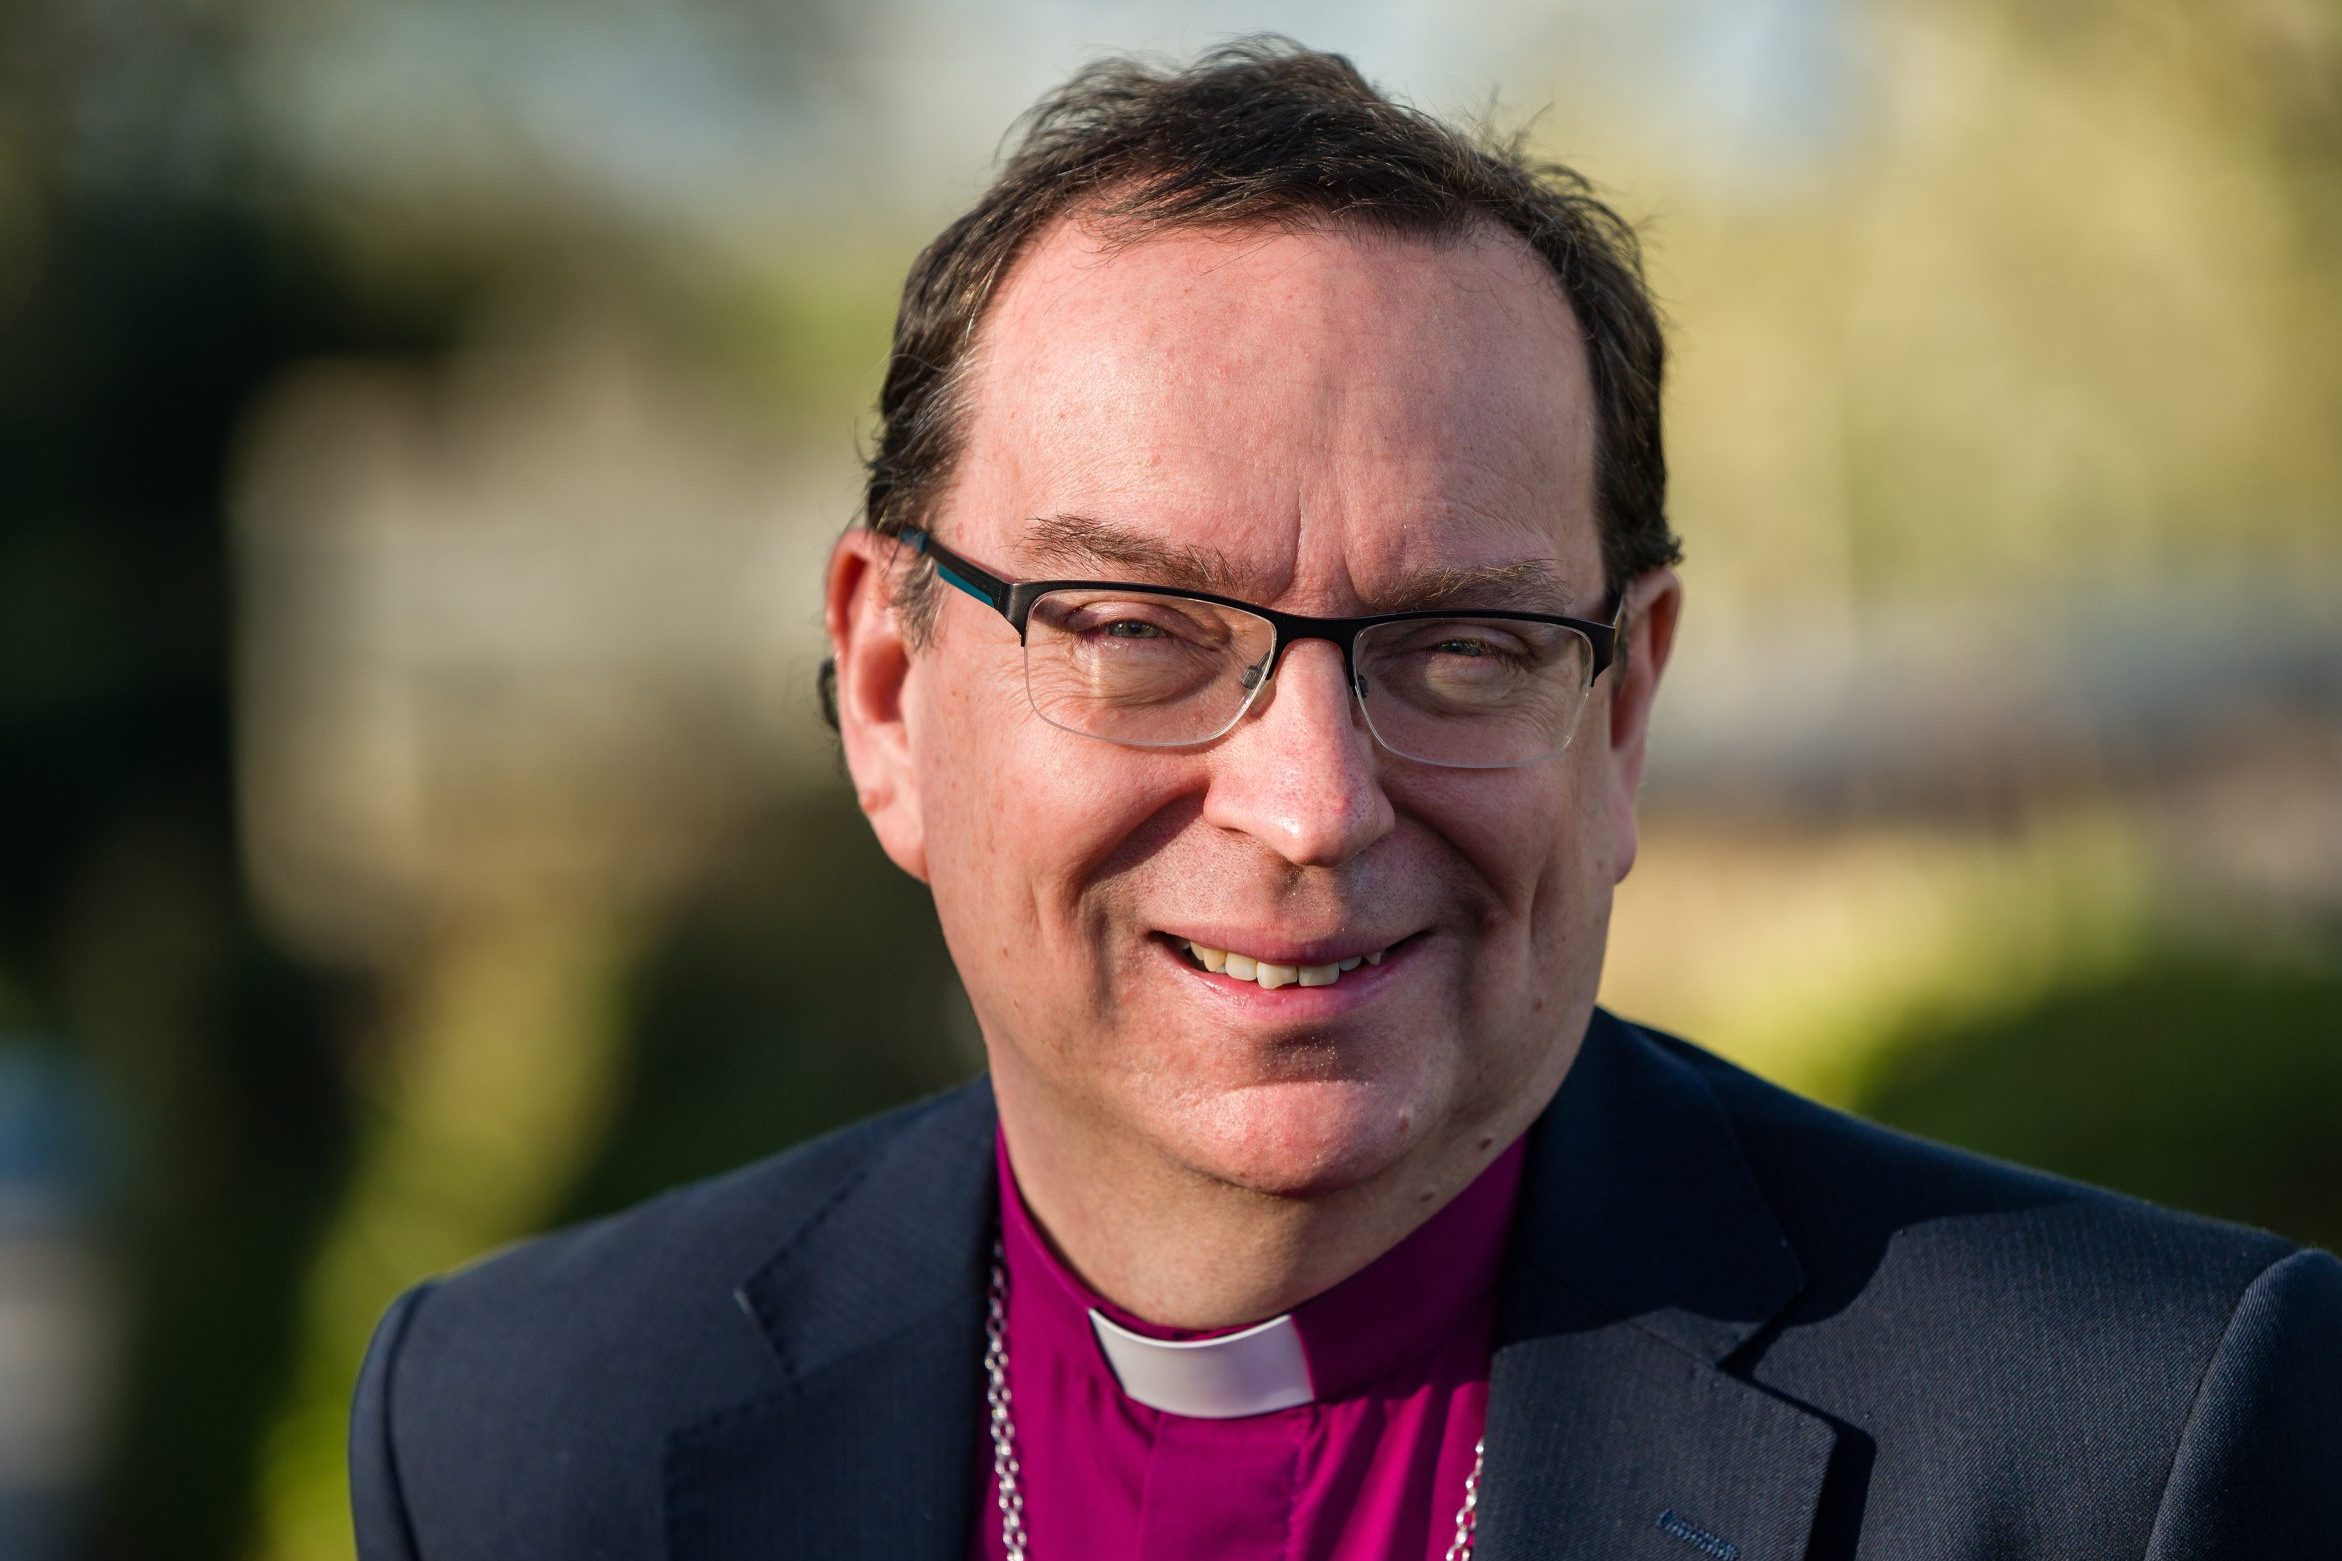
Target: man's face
x=1340, y=423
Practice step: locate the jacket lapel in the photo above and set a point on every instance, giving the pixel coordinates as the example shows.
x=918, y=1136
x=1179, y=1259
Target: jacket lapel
x=1643, y=1255
x=875, y=1311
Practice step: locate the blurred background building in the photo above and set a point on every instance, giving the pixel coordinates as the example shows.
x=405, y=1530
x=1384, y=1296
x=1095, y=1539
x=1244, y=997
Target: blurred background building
x=422, y=424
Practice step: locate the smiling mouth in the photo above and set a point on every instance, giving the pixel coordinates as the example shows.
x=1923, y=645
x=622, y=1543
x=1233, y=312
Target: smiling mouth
x=1267, y=974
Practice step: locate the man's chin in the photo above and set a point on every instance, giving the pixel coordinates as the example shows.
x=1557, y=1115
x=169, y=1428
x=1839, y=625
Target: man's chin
x=1303, y=1138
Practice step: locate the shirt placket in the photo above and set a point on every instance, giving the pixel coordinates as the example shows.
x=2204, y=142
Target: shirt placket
x=1223, y=1488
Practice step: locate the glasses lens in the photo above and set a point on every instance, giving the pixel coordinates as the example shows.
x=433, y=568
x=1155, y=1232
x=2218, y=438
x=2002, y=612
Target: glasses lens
x=1154, y=671
x=1481, y=693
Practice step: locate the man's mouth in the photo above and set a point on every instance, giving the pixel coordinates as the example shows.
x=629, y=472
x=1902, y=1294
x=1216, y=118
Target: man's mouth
x=1268, y=974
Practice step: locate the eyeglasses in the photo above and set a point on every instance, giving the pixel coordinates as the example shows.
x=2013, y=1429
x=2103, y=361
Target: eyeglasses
x=1152, y=667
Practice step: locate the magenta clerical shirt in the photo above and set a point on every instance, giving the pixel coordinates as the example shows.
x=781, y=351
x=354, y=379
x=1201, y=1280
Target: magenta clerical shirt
x=1373, y=1466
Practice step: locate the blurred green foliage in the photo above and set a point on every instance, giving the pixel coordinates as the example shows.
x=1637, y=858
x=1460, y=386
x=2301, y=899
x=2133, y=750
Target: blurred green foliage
x=126, y=930
x=805, y=985
x=2207, y=1083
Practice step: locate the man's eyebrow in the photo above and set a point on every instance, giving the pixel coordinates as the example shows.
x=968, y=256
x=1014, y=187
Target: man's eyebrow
x=1530, y=585
x=1087, y=545
x=1081, y=543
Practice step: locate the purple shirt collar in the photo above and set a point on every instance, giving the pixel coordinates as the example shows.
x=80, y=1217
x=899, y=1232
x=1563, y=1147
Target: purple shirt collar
x=1393, y=1310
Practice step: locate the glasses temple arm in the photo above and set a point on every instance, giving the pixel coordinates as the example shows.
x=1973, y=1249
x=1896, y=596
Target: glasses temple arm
x=977, y=581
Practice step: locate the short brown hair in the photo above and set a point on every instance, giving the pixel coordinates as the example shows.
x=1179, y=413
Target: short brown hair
x=1264, y=132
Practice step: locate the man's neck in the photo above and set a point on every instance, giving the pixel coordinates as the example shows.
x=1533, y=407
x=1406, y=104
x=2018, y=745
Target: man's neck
x=1184, y=1249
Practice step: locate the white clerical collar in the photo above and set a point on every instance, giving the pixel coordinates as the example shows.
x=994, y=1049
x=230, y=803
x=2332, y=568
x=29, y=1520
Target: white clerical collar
x=1236, y=1374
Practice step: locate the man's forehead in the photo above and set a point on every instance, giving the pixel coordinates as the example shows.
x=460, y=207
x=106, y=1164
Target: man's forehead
x=1236, y=411
x=1478, y=291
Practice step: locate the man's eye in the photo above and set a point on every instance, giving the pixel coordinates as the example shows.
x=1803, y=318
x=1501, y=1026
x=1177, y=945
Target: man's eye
x=1479, y=647
x=1142, y=625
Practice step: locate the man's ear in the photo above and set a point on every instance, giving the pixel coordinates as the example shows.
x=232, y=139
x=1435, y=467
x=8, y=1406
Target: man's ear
x=1654, y=603
x=873, y=664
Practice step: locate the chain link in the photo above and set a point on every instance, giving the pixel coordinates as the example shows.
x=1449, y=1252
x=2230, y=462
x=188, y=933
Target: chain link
x=1005, y=1468
x=1004, y=1464
x=1468, y=1515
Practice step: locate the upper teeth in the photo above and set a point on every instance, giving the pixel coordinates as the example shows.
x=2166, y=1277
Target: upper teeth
x=1271, y=975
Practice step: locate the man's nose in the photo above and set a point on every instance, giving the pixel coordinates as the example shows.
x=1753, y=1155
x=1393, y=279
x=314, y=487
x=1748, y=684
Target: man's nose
x=1301, y=774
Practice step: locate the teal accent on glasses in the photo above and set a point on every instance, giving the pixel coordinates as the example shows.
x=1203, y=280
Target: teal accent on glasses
x=954, y=577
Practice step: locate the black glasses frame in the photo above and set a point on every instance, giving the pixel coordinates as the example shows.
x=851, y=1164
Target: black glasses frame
x=1014, y=599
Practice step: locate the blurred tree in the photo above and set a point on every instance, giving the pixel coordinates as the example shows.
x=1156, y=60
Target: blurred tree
x=2061, y=306
x=146, y=292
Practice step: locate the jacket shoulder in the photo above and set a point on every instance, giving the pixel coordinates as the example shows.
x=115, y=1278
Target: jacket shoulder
x=709, y=1231
x=519, y=1406
x=2011, y=1347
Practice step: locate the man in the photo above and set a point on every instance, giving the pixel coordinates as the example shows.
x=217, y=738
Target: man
x=1252, y=643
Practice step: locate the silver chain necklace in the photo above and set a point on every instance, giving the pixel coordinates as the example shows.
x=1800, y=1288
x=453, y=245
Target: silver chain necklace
x=1005, y=1467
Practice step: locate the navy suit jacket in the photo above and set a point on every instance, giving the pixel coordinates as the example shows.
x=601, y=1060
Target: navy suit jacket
x=1734, y=1324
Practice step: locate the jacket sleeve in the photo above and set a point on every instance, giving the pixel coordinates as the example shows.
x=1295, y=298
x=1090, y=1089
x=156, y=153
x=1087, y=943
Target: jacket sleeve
x=2258, y=1473
x=377, y=1505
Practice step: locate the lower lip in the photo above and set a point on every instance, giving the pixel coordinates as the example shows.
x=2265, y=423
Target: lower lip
x=1295, y=1001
